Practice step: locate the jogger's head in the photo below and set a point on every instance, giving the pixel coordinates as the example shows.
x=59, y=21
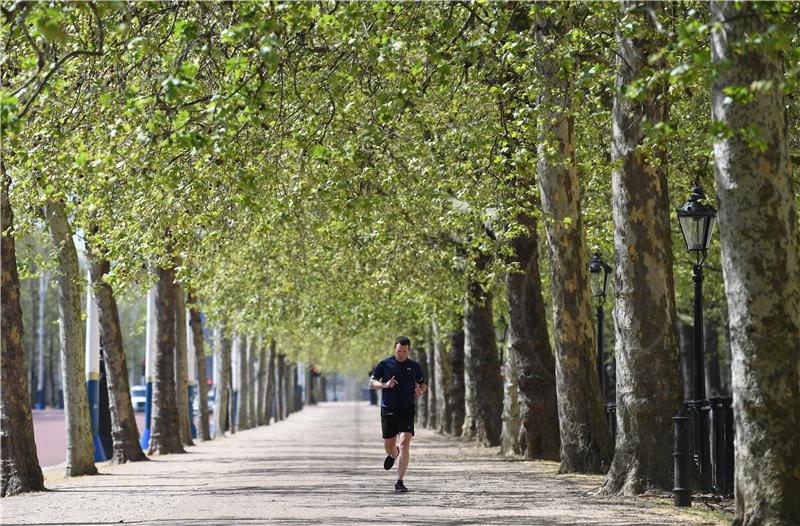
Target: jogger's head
x=402, y=346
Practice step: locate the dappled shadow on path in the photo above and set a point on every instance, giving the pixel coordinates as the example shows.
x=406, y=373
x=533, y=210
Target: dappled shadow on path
x=324, y=466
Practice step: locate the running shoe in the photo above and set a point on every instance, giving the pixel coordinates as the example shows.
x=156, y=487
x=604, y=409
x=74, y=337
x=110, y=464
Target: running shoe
x=388, y=462
x=399, y=487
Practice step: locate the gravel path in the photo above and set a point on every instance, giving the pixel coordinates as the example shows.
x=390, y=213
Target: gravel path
x=324, y=466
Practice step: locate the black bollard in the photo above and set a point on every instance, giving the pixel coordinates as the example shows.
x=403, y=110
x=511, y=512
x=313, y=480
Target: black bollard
x=682, y=460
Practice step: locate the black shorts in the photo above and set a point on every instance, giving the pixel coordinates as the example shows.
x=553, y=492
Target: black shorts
x=394, y=422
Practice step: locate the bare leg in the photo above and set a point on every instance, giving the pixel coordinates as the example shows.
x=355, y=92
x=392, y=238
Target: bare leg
x=404, y=444
x=390, y=445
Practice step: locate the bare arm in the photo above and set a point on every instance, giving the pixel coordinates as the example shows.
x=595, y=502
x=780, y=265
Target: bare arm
x=377, y=384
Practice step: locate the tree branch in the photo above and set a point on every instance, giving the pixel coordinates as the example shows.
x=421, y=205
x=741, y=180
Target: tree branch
x=72, y=54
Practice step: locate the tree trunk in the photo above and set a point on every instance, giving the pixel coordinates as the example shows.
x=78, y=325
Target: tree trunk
x=270, y=385
x=529, y=343
x=53, y=373
x=760, y=262
x=181, y=367
x=280, y=381
x=711, y=351
x=251, y=381
x=50, y=385
x=124, y=432
x=262, y=409
x=31, y=365
x=585, y=441
x=441, y=380
x=222, y=371
x=422, y=401
x=244, y=384
x=19, y=465
x=58, y=374
x=686, y=344
x=457, y=398
x=727, y=363
x=297, y=402
x=287, y=389
x=433, y=422
x=202, y=378
x=648, y=369
x=80, y=448
x=509, y=438
x=468, y=427
x=308, y=397
x=165, y=436
x=294, y=392
x=40, y=337
x=484, y=386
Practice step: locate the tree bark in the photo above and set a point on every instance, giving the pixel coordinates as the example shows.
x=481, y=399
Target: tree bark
x=124, y=432
x=251, y=381
x=280, y=393
x=31, y=363
x=648, y=369
x=308, y=396
x=244, y=384
x=484, y=391
x=468, y=427
x=181, y=367
x=433, y=409
x=727, y=365
x=222, y=374
x=50, y=386
x=165, y=435
x=441, y=379
x=288, y=383
x=19, y=465
x=760, y=262
x=711, y=351
x=202, y=377
x=456, y=400
x=529, y=344
x=270, y=385
x=44, y=283
x=80, y=448
x=262, y=414
x=509, y=437
x=422, y=401
x=585, y=441
x=686, y=344
x=297, y=402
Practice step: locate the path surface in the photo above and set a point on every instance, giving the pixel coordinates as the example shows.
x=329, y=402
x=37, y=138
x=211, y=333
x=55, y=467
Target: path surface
x=324, y=466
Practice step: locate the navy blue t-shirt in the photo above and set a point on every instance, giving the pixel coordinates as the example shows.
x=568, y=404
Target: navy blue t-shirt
x=407, y=373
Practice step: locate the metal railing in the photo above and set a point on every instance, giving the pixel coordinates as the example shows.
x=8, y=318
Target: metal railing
x=704, y=433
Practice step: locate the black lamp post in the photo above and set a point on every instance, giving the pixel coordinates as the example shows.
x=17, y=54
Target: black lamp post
x=696, y=219
x=598, y=274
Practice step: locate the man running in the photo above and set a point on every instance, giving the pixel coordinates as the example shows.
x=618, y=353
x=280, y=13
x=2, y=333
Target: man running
x=401, y=380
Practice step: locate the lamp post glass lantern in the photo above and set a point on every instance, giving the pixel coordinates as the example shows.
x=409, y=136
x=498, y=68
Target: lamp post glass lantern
x=696, y=219
x=598, y=275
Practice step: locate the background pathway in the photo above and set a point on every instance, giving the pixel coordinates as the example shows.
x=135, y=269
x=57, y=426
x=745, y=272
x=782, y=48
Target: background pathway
x=324, y=466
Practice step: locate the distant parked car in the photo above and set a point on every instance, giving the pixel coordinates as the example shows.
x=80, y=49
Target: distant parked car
x=138, y=397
